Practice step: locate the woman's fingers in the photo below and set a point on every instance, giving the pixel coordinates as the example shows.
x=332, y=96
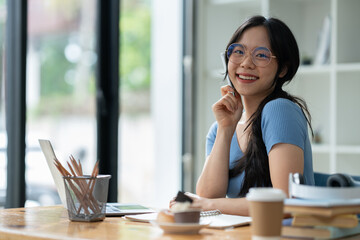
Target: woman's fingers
x=172, y=202
x=192, y=195
x=196, y=204
x=228, y=102
x=227, y=89
x=229, y=108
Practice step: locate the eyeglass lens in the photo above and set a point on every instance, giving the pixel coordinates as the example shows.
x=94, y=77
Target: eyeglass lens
x=260, y=56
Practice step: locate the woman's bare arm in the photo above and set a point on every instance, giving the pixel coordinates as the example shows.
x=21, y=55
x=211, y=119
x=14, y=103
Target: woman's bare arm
x=285, y=159
x=213, y=181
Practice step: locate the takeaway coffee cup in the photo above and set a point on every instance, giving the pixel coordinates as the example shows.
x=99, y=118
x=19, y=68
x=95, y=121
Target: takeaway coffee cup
x=266, y=210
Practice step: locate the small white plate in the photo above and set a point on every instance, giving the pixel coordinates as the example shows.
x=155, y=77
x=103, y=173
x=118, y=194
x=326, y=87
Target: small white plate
x=181, y=228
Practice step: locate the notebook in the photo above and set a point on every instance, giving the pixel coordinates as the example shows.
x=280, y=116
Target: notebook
x=216, y=218
x=317, y=232
x=112, y=209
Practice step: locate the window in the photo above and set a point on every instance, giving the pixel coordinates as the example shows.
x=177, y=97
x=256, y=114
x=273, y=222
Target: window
x=150, y=123
x=136, y=133
x=60, y=90
x=61, y=96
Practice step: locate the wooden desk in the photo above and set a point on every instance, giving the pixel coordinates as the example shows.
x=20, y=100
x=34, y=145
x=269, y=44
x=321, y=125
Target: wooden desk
x=52, y=223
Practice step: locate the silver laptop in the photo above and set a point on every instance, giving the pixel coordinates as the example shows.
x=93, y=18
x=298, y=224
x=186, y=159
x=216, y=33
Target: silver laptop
x=112, y=209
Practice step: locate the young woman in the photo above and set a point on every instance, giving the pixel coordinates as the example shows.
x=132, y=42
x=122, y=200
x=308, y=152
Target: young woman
x=261, y=131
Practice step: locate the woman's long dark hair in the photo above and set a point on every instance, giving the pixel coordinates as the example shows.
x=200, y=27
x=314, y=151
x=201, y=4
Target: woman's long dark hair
x=255, y=161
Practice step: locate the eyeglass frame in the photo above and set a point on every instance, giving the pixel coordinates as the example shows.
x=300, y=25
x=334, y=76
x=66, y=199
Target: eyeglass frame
x=251, y=54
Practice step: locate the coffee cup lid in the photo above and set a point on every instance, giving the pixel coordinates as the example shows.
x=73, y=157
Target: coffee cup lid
x=265, y=194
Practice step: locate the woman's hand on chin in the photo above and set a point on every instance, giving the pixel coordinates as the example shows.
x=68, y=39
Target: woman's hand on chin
x=229, y=108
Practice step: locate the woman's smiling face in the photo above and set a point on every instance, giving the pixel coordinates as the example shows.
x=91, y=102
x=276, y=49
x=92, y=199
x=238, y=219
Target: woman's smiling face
x=250, y=80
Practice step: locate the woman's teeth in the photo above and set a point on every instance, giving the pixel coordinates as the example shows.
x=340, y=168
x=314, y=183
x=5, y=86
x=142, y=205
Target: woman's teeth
x=247, y=77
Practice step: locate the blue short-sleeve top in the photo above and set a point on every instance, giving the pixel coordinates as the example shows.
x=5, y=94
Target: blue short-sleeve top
x=282, y=121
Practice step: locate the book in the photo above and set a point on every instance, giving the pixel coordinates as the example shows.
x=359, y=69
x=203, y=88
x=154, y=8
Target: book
x=342, y=220
x=322, y=207
x=326, y=202
x=316, y=232
x=322, y=211
x=324, y=232
x=216, y=218
x=323, y=48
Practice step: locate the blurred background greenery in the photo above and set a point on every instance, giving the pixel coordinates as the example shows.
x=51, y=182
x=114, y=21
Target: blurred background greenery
x=57, y=72
x=61, y=89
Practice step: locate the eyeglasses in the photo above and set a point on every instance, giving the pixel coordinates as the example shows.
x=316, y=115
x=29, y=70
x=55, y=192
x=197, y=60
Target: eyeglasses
x=260, y=56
